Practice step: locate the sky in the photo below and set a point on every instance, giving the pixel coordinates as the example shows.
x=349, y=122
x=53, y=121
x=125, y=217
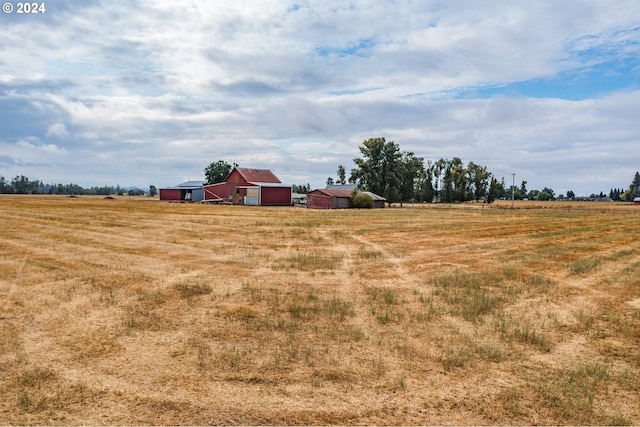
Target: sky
x=139, y=93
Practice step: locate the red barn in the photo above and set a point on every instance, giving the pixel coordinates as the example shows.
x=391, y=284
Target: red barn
x=329, y=198
x=244, y=186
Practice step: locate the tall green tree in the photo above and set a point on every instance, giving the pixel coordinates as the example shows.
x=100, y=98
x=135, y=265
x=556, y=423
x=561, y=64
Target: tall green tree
x=22, y=185
x=478, y=181
x=634, y=187
x=153, y=190
x=378, y=170
x=411, y=169
x=425, y=191
x=460, y=181
x=446, y=190
x=523, y=188
x=496, y=190
x=217, y=171
x=342, y=176
x=5, y=187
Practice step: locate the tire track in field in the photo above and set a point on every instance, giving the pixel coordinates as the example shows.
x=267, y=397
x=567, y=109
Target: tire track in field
x=400, y=270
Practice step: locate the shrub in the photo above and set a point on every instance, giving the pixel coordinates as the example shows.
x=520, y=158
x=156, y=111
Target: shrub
x=360, y=200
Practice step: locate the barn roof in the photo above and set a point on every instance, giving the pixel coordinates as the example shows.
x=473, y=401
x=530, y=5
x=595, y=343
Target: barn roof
x=187, y=185
x=341, y=187
x=257, y=175
x=191, y=184
x=269, y=184
x=345, y=193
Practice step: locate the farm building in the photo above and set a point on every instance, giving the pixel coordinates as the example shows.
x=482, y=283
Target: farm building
x=298, y=198
x=243, y=186
x=187, y=191
x=337, y=199
x=636, y=201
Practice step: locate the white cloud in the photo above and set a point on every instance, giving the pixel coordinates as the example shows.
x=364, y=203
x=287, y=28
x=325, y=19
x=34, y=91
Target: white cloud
x=58, y=130
x=148, y=92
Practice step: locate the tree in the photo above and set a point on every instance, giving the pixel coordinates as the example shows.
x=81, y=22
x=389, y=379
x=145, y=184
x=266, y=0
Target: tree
x=153, y=191
x=455, y=182
x=22, y=185
x=4, y=186
x=478, y=180
x=378, y=169
x=426, y=192
x=329, y=181
x=301, y=189
x=571, y=194
x=496, y=190
x=411, y=168
x=634, y=187
x=446, y=191
x=552, y=193
x=216, y=172
x=342, y=176
x=544, y=195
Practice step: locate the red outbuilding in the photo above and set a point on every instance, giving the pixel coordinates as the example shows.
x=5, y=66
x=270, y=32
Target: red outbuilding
x=190, y=191
x=244, y=186
x=329, y=198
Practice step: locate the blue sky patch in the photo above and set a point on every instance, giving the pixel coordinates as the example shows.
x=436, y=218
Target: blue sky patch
x=361, y=48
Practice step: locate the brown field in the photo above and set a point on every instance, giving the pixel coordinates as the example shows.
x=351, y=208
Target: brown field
x=133, y=311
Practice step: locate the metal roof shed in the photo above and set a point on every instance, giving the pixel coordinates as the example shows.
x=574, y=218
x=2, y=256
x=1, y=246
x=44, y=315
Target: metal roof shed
x=187, y=191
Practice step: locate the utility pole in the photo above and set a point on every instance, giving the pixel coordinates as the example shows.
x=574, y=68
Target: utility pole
x=513, y=190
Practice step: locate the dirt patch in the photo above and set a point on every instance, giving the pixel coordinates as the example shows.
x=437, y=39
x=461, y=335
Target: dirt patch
x=635, y=303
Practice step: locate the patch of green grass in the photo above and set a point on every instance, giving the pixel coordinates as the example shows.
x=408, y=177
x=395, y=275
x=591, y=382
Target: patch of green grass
x=527, y=334
x=631, y=268
x=470, y=295
x=584, y=266
x=509, y=327
x=344, y=333
x=510, y=398
x=538, y=281
x=455, y=357
x=386, y=295
x=570, y=393
x=471, y=303
x=189, y=290
x=311, y=261
x=36, y=377
x=338, y=308
x=378, y=366
x=310, y=307
x=366, y=254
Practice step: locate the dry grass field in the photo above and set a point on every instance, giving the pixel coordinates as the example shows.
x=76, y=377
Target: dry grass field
x=133, y=311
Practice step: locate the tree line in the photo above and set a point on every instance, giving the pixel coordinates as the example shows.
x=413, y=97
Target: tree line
x=401, y=176
x=23, y=185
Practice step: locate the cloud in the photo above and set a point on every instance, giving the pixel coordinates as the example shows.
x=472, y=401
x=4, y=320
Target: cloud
x=151, y=92
x=58, y=130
